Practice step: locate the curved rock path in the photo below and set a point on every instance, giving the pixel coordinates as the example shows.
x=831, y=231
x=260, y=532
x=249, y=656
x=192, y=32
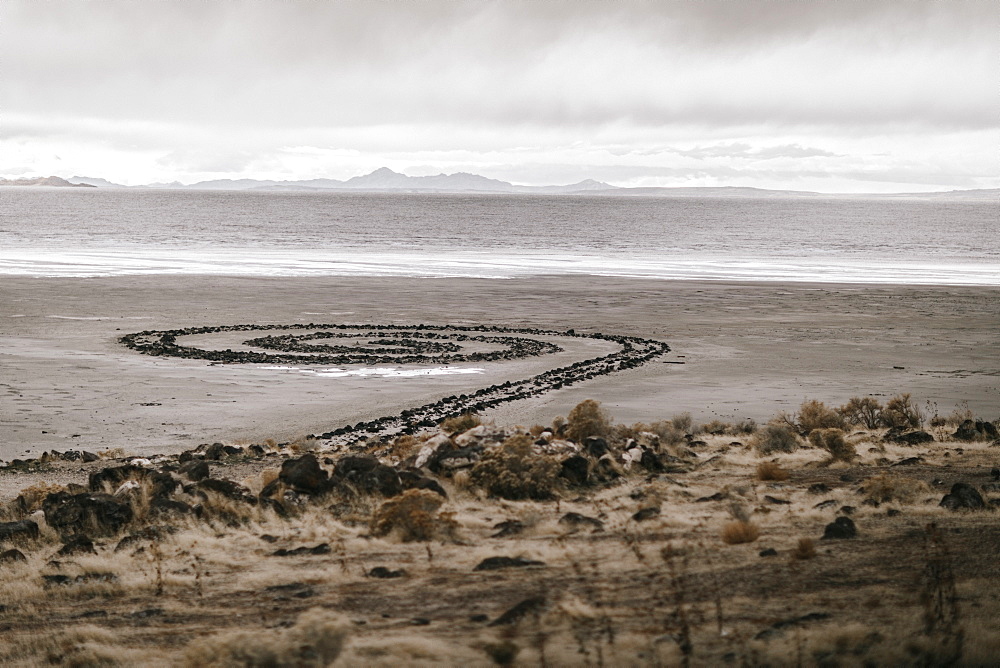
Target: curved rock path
x=342, y=344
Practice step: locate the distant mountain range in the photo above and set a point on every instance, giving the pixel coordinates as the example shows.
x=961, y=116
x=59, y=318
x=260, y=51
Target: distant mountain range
x=46, y=181
x=386, y=180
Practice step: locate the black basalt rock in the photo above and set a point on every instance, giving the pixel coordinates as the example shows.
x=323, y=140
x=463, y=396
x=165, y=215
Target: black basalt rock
x=840, y=528
x=963, y=497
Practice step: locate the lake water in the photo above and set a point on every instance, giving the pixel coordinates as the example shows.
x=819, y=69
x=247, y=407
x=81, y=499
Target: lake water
x=105, y=232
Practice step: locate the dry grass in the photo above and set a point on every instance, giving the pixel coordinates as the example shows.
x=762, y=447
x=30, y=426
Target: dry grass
x=771, y=471
x=609, y=597
x=413, y=516
x=805, y=549
x=316, y=640
x=454, y=426
x=736, y=533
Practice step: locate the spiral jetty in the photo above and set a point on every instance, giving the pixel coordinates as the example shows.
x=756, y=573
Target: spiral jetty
x=408, y=344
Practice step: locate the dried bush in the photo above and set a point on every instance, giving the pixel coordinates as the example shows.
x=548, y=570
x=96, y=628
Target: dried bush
x=559, y=425
x=30, y=498
x=901, y=412
x=514, y=471
x=805, y=549
x=775, y=438
x=832, y=440
x=747, y=427
x=316, y=640
x=413, y=516
x=587, y=419
x=885, y=489
x=771, y=471
x=816, y=415
x=864, y=411
x=716, y=427
x=404, y=445
x=460, y=424
x=668, y=431
x=682, y=421
x=961, y=413
x=735, y=533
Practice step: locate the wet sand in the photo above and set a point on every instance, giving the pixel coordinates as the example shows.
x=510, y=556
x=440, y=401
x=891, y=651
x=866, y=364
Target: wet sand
x=738, y=351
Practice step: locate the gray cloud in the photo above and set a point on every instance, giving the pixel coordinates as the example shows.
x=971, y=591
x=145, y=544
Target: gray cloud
x=197, y=86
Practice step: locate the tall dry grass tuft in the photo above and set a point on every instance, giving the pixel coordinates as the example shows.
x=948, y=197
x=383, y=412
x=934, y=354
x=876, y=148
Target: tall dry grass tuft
x=771, y=471
x=460, y=424
x=804, y=549
x=736, y=533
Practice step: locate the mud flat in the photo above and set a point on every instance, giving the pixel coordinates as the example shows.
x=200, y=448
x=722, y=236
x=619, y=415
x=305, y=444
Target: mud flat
x=737, y=351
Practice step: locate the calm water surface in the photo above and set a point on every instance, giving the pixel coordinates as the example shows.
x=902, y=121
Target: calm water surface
x=99, y=232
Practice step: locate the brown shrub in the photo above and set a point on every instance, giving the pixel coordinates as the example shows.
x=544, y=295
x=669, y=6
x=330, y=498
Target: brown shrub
x=864, y=411
x=30, y=498
x=774, y=438
x=735, y=533
x=668, y=431
x=815, y=415
x=682, y=421
x=832, y=440
x=514, y=471
x=805, y=549
x=413, y=516
x=460, y=424
x=587, y=419
x=771, y=471
x=716, y=427
x=901, y=412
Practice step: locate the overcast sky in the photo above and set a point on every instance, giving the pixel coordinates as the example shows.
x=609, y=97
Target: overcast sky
x=833, y=96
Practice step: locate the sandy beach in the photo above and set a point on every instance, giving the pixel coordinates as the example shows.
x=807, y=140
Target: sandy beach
x=738, y=351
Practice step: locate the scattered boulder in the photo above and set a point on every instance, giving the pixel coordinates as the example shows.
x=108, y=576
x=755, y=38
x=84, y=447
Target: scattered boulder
x=304, y=475
x=195, y=470
x=414, y=480
x=526, y=607
x=226, y=488
x=78, y=544
x=366, y=475
x=322, y=548
x=595, y=446
x=840, y=528
x=910, y=437
x=96, y=514
x=18, y=531
x=963, y=496
x=384, y=573
x=646, y=514
x=508, y=528
x=976, y=430
x=496, y=563
x=8, y=556
x=575, y=469
x=453, y=460
x=577, y=521
x=161, y=484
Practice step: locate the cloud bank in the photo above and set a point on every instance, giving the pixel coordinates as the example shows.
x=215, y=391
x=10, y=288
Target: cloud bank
x=818, y=95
